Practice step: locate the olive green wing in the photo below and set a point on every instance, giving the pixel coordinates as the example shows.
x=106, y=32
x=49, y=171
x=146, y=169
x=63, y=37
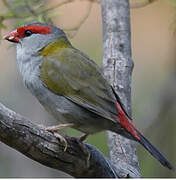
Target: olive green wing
x=72, y=74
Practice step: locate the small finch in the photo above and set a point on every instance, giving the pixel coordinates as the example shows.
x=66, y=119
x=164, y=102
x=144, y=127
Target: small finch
x=70, y=86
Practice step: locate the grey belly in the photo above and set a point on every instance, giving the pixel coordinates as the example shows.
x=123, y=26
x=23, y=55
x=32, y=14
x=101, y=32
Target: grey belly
x=65, y=111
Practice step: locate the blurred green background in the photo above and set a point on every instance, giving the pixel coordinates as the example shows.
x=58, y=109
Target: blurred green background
x=153, y=83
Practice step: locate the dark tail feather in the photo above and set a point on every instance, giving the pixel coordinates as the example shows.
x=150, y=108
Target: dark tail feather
x=153, y=151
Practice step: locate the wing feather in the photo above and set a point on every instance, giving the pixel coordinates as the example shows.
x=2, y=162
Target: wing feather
x=72, y=74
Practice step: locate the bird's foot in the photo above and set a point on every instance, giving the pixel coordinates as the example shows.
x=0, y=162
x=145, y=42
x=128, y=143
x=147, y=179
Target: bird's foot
x=83, y=147
x=54, y=129
x=62, y=140
x=83, y=137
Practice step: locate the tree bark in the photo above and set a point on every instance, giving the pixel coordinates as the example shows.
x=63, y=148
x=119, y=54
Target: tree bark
x=42, y=146
x=117, y=68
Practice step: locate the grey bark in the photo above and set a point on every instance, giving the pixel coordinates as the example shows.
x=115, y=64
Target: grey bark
x=34, y=142
x=117, y=68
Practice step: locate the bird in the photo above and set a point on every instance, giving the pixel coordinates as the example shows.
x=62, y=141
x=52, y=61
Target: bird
x=71, y=86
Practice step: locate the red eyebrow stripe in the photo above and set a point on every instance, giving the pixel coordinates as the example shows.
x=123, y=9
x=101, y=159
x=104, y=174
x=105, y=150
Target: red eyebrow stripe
x=33, y=29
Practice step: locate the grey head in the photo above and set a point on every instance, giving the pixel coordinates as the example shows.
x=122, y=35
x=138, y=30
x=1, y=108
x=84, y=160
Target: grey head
x=36, y=36
x=30, y=39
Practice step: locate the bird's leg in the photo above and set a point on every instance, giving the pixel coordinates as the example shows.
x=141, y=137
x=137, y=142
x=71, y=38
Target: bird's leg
x=83, y=147
x=58, y=127
x=83, y=137
x=54, y=130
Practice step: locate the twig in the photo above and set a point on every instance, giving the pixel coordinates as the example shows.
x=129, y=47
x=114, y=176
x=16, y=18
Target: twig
x=56, y=6
x=33, y=13
x=141, y=4
x=81, y=22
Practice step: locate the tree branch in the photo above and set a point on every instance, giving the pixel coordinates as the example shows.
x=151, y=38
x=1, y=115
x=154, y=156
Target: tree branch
x=117, y=68
x=21, y=134
x=141, y=4
x=76, y=27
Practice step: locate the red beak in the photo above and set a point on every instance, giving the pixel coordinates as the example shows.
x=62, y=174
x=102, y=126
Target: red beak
x=12, y=37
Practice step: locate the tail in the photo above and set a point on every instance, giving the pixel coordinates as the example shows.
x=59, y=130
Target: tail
x=153, y=150
x=137, y=136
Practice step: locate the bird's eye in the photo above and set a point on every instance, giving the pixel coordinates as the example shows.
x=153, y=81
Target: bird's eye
x=27, y=33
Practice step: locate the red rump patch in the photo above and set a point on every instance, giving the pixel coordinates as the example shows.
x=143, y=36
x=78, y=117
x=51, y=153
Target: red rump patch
x=33, y=29
x=125, y=122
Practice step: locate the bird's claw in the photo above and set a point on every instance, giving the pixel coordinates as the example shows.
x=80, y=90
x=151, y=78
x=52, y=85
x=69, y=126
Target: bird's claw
x=83, y=148
x=62, y=139
x=58, y=136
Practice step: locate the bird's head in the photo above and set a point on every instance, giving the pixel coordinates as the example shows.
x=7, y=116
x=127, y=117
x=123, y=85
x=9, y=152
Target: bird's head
x=35, y=36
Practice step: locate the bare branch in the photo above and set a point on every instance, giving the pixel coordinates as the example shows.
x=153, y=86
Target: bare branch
x=141, y=4
x=56, y=6
x=33, y=13
x=117, y=67
x=37, y=144
x=81, y=22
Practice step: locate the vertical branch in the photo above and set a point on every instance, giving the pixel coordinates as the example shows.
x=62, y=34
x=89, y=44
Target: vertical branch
x=117, y=68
